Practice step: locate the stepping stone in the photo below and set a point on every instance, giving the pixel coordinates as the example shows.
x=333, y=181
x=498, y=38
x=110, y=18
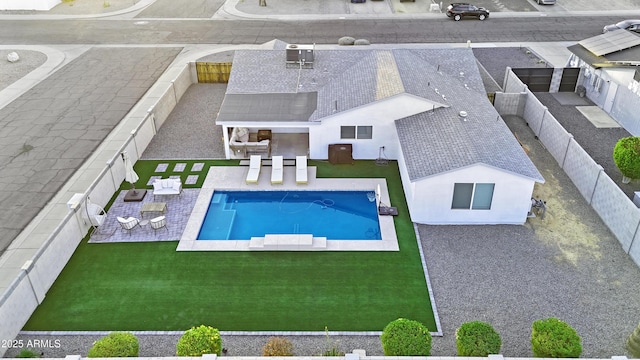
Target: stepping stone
x=179, y=167
x=197, y=167
x=174, y=177
x=162, y=167
x=192, y=179
x=152, y=179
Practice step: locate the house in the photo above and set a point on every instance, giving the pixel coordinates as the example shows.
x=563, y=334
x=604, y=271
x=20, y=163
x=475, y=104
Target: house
x=426, y=108
x=610, y=74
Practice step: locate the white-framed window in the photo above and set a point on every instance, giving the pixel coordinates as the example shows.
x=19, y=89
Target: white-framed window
x=472, y=196
x=356, y=132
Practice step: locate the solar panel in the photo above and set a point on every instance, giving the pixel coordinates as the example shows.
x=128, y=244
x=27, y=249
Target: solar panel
x=610, y=42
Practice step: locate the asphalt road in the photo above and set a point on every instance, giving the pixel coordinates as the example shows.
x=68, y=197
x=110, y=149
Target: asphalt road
x=431, y=30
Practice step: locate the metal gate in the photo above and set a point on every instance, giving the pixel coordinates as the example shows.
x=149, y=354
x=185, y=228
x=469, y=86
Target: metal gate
x=569, y=79
x=210, y=72
x=537, y=79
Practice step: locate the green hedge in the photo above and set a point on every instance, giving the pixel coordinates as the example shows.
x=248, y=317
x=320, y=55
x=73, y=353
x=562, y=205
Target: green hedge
x=626, y=155
x=553, y=338
x=116, y=344
x=199, y=340
x=403, y=337
x=477, y=338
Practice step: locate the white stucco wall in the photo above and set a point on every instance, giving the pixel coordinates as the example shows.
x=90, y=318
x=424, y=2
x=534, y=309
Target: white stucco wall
x=407, y=185
x=381, y=115
x=431, y=200
x=28, y=4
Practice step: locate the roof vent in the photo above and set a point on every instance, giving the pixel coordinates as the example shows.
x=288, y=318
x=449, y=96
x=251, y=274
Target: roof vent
x=463, y=114
x=300, y=54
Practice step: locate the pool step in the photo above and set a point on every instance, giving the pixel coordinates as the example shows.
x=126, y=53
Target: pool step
x=288, y=242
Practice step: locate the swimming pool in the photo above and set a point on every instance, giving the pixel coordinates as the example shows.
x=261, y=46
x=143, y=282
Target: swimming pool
x=336, y=215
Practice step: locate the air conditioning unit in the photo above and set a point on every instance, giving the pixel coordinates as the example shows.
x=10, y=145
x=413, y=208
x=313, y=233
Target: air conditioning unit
x=300, y=54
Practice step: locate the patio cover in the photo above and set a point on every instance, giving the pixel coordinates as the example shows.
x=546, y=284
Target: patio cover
x=268, y=107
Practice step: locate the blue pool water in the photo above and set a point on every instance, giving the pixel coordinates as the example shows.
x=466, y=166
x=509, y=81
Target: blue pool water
x=336, y=215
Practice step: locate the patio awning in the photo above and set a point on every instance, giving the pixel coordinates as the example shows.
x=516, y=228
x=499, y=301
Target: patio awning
x=268, y=107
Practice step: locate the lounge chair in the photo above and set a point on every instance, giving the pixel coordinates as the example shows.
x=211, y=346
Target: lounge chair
x=95, y=214
x=159, y=223
x=276, y=169
x=301, y=170
x=128, y=223
x=254, y=169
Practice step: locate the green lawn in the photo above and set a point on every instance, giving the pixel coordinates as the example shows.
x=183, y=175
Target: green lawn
x=150, y=286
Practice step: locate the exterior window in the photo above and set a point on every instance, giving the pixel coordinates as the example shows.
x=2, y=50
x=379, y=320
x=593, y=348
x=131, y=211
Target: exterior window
x=347, y=132
x=356, y=132
x=472, y=196
x=365, y=132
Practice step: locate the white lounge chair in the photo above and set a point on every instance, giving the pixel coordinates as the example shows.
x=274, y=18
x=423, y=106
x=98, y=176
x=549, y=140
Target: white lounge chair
x=254, y=169
x=159, y=223
x=301, y=170
x=276, y=169
x=128, y=223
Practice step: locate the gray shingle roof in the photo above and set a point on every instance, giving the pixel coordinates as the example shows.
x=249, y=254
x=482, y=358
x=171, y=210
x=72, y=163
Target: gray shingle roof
x=345, y=79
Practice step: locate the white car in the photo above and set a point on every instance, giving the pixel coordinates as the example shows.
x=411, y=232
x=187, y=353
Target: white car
x=631, y=25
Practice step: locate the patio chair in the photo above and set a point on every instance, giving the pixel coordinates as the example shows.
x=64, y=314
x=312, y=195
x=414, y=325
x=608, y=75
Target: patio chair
x=95, y=214
x=254, y=169
x=128, y=223
x=158, y=223
x=301, y=170
x=277, y=169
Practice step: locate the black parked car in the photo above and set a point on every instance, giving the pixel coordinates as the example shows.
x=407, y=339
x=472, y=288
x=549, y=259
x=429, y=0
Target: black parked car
x=459, y=10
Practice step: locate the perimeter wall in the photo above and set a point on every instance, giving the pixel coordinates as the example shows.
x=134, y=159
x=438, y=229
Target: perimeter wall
x=613, y=206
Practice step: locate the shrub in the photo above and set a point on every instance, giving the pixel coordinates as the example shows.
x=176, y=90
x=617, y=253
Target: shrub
x=633, y=343
x=626, y=155
x=26, y=353
x=278, y=346
x=346, y=40
x=403, y=337
x=553, y=338
x=477, y=338
x=199, y=340
x=116, y=344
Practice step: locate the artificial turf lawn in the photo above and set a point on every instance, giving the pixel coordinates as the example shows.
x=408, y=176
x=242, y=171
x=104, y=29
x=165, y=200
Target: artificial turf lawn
x=150, y=286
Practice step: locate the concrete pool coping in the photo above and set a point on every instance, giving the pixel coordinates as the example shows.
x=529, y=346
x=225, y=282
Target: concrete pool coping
x=232, y=178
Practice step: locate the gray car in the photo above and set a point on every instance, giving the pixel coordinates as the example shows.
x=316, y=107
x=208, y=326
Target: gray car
x=631, y=25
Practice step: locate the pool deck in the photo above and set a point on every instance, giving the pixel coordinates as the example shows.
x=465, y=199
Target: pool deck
x=232, y=178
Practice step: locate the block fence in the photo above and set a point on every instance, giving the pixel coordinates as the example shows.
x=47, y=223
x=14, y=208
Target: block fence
x=54, y=234
x=613, y=206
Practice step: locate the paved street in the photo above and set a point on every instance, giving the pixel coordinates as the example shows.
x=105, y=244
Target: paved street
x=432, y=30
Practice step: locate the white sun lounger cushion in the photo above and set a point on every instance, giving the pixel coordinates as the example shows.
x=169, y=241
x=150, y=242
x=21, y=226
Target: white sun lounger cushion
x=254, y=169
